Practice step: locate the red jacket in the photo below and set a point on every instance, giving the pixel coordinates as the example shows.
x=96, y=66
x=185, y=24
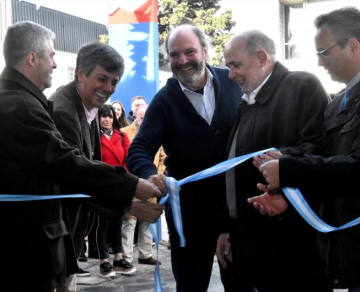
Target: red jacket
x=114, y=152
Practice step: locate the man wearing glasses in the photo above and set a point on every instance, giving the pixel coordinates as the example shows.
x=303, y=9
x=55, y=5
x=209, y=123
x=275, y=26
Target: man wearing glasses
x=333, y=180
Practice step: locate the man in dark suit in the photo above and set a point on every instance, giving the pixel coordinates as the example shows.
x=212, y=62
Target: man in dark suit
x=99, y=68
x=279, y=109
x=34, y=157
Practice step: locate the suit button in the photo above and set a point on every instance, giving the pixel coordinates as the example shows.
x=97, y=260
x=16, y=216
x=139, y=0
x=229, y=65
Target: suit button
x=336, y=281
x=216, y=132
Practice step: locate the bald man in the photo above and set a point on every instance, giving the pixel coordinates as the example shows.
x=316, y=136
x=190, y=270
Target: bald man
x=279, y=109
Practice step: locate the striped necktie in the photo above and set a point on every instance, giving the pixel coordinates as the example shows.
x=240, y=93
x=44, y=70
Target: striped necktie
x=344, y=101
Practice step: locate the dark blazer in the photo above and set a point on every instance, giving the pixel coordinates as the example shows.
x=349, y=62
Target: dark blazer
x=335, y=181
x=34, y=157
x=70, y=120
x=288, y=114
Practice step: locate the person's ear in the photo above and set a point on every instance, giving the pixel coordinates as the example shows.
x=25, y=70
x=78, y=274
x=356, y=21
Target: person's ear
x=80, y=74
x=354, y=46
x=262, y=56
x=206, y=54
x=31, y=59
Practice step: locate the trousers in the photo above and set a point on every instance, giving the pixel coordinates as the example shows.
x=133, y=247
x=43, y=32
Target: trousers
x=144, y=239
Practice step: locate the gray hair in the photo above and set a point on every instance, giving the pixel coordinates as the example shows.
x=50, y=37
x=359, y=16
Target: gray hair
x=24, y=37
x=143, y=106
x=96, y=53
x=343, y=23
x=197, y=31
x=257, y=40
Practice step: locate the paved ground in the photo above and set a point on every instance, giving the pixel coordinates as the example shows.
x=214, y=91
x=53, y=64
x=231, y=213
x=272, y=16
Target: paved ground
x=143, y=279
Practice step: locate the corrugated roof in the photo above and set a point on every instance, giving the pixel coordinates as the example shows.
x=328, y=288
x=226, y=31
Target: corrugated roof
x=71, y=31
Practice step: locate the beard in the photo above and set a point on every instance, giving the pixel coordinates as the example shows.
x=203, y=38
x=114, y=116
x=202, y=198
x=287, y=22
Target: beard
x=189, y=77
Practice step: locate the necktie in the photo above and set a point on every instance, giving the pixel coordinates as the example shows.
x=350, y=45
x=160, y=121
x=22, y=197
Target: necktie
x=344, y=101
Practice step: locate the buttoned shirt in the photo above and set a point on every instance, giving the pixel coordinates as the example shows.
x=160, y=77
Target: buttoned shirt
x=90, y=115
x=203, y=103
x=230, y=174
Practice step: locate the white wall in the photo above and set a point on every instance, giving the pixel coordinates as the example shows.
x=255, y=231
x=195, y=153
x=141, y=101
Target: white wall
x=264, y=15
x=60, y=74
x=305, y=22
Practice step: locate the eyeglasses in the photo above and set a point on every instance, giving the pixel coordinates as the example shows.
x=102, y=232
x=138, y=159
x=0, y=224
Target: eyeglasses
x=321, y=55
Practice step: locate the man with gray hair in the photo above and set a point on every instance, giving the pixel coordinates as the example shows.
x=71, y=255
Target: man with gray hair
x=191, y=116
x=279, y=109
x=34, y=157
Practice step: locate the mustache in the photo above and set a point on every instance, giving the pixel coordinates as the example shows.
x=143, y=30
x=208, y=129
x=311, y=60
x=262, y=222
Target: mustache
x=186, y=65
x=239, y=79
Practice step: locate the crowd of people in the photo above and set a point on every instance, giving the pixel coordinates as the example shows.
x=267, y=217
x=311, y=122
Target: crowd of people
x=74, y=142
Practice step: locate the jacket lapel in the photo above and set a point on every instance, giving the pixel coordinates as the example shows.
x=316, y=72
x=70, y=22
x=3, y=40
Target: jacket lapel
x=82, y=118
x=278, y=73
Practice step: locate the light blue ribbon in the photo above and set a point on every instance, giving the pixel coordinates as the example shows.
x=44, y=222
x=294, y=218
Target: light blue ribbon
x=19, y=198
x=174, y=200
x=297, y=200
x=293, y=194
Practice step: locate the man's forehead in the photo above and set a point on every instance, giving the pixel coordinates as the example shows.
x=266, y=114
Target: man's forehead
x=111, y=75
x=323, y=34
x=183, y=36
x=137, y=101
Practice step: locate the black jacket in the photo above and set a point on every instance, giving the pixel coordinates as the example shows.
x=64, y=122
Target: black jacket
x=289, y=115
x=130, y=118
x=34, y=157
x=334, y=181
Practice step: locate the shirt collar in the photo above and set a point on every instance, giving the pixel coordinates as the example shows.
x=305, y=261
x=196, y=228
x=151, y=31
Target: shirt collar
x=90, y=115
x=250, y=99
x=353, y=81
x=209, y=78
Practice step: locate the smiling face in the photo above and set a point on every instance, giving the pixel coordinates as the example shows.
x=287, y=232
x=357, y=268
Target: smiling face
x=96, y=88
x=187, y=58
x=245, y=70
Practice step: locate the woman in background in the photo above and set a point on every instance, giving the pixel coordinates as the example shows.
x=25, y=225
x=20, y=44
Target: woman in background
x=114, y=147
x=120, y=114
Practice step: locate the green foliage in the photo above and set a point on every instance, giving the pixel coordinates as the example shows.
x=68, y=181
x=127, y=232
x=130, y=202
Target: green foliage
x=104, y=38
x=200, y=13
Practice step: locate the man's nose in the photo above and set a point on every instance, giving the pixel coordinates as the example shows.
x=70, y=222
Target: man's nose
x=182, y=59
x=108, y=87
x=321, y=62
x=232, y=73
